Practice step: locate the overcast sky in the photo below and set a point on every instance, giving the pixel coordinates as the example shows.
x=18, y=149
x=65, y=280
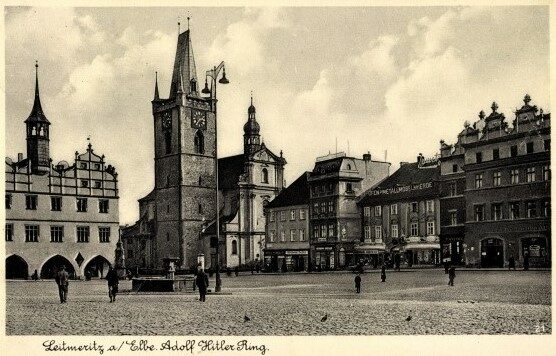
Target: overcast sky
x=384, y=79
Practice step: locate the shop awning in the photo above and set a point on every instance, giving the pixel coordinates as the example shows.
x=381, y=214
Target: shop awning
x=422, y=246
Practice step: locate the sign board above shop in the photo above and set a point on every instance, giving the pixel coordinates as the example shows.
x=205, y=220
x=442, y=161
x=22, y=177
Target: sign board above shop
x=403, y=189
x=297, y=252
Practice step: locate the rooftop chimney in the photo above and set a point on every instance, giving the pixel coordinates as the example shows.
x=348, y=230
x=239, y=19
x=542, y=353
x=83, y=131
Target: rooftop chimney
x=402, y=163
x=367, y=156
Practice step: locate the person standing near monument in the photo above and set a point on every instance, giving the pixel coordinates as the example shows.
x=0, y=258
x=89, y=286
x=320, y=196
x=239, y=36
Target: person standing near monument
x=202, y=282
x=113, y=281
x=383, y=273
x=62, y=280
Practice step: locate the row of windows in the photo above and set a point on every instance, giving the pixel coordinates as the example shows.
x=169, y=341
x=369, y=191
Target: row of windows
x=293, y=214
x=515, y=176
x=95, y=166
x=85, y=184
x=323, y=231
x=529, y=148
x=81, y=204
x=32, y=233
x=295, y=235
x=377, y=210
x=394, y=230
x=323, y=207
x=512, y=210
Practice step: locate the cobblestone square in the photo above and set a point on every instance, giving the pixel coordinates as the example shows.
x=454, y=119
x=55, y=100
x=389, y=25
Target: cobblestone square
x=481, y=302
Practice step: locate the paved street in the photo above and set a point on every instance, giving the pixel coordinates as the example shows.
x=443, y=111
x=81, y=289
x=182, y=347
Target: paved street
x=497, y=302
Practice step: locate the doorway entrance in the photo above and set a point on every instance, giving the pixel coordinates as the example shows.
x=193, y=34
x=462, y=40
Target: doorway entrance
x=492, y=253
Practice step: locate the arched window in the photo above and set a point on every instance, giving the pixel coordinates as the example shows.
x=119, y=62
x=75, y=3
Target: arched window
x=33, y=130
x=168, y=141
x=234, y=247
x=199, y=143
x=264, y=175
x=200, y=208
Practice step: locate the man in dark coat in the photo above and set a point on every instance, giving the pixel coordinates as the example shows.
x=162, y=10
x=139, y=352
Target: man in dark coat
x=113, y=281
x=202, y=282
x=451, y=275
x=62, y=280
x=383, y=273
x=511, y=263
x=358, y=283
x=526, y=261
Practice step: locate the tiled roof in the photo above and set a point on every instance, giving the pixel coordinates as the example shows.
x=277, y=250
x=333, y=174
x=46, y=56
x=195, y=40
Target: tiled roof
x=229, y=170
x=149, y=196
x=296, y=193
x=407, y=175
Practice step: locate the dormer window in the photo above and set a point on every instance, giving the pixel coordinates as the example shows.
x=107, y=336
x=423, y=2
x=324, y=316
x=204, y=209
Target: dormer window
x=83, y=165
x=349, y=167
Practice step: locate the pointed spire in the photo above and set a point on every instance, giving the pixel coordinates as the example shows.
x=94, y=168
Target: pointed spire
x=184, y=65
x=156, y=96
x=37, y=113
x=180, y=82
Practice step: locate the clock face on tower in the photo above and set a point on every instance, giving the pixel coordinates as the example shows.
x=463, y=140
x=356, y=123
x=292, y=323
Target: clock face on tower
x=198, y=119
x=167, y=120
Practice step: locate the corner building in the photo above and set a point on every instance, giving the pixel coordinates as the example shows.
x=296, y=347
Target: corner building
x=335, y=223
x=62, y=214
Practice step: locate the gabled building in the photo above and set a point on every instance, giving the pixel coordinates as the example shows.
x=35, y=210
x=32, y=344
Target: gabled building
x=286, y=246
x=507, y=193
x=335, y=223
x=58, y=214
x=400, y=216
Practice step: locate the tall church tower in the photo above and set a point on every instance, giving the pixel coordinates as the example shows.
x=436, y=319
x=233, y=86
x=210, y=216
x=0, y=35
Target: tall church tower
x=185, y=180
x=38, y=127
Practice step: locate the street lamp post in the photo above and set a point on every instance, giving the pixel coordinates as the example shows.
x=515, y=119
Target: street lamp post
x=213, y=75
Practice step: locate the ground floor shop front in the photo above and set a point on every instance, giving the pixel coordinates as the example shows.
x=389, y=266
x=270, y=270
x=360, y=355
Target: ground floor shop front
x=286, y=260
x=500, y=245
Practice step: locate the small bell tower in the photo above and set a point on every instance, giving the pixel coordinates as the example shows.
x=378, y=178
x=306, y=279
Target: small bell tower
x=251, y=129
x=38, y=134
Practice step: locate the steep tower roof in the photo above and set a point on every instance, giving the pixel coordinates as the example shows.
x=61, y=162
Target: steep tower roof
x=251, y=127
x=37, y=114
x=184, y=65
x=156, y=95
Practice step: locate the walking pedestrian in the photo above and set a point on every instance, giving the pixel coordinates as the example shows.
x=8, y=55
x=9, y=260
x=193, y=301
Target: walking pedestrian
x=236, y=271
x=202, y=282
x=383, y=273
x=35, y=276
x=397, y=261
x=258, y=268
x=358, y=283
x=511, y=263
x=113, y=281
x=451, y=276
x=526, y=261
x=62, y=280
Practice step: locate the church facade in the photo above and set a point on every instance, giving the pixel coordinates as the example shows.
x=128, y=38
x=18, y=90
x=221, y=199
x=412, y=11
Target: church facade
x=247, y=182
x=58, y=214
x=184, y=196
